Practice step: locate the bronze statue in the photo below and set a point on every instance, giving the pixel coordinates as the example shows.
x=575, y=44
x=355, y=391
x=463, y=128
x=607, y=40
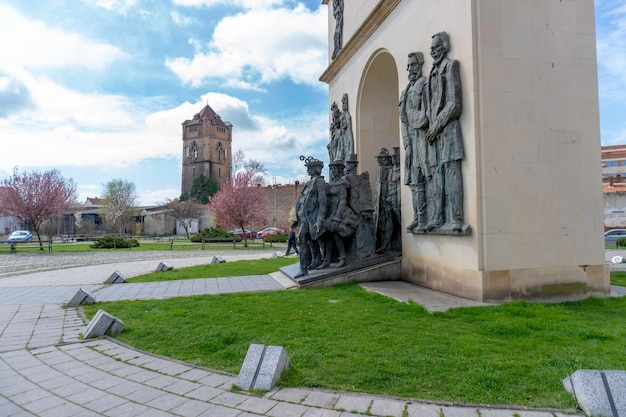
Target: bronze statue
x=341, y=220
x=445, y=150
x=414, y=122
x=311, y=211
x=363, y=242
x=338, y=36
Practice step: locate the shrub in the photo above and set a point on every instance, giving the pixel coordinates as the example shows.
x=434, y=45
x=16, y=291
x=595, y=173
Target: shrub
x=621, y=242
x=113, y=242
x=211, y=234
x=278, y=237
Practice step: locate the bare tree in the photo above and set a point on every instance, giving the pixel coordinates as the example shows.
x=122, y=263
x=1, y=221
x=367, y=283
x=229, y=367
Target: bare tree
x=185, y=212
x=254, y=169
x=35, y=197
x=120, y=197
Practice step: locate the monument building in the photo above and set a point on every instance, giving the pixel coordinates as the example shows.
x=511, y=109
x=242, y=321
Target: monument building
x=207, y=148
x=493, y=107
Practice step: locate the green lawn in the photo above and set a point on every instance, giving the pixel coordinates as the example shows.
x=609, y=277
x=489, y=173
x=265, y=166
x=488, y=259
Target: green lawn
x=618, y=278
x=227, y=269
x=179, y=244
x=344, y=338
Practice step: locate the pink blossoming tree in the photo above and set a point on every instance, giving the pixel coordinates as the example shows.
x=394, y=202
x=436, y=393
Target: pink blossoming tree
x=35, y=197
x=239, y=202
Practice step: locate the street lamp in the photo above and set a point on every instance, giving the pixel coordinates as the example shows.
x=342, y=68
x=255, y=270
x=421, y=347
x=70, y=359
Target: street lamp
x=274, y=187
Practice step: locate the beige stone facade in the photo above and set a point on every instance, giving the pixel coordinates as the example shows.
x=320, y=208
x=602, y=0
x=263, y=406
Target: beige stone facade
x=530, y=123
x=207, y=148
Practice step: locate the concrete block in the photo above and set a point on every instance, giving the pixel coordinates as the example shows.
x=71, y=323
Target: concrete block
x=115, y=278
x=103, y=323
x=274, y=363
x=599, y=393
x=218, y=259
x=251, y=363
x=164, y=266
x=81, y=297
x=262, y=367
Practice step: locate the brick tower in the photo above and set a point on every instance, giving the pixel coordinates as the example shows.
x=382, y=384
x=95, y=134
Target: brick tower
x=207, y=144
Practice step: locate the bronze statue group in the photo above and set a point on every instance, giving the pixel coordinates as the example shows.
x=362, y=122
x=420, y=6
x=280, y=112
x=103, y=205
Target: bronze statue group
x=339, y=223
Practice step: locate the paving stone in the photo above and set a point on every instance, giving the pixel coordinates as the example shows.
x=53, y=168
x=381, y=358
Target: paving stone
x=287, y=410
x=321, y=399
x=353, y=403
x=166, y=401
x=219, y=411
x=181, y=387
x=128, y=409
x=229, y=399
x=204, y=393
x=320, y=412
x=190, y=408
x=105, y=403
x=46, y=403
x=143, y=395
x=293, y=395
x=386, y=407
x=161, y=381
x=194, y=374
x=257, y=405
x=11, y=410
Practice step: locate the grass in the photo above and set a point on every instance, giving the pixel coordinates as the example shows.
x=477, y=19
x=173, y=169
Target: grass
x=618, y=278
x=179, y=244
x=344, y=338
x=227, y=269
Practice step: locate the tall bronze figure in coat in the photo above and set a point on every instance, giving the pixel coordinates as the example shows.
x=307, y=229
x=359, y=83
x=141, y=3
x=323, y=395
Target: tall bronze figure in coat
x=444, y=137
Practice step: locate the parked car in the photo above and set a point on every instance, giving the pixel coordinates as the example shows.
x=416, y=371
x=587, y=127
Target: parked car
x=20, y=236
x=269, y=231
x=611, y=236
x=244, y=234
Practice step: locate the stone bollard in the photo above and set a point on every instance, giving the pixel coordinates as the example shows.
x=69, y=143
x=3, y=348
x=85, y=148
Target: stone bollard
x=218, y=259
x=103, y=323
x=81, y=297
x=115, y=278
x=262, y=367
x=164, y=266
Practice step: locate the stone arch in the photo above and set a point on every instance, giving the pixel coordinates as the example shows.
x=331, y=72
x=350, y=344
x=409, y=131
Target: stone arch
x=377, y=119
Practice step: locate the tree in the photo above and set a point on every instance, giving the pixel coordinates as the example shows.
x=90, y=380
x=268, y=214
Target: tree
x=35, y=197
x=254, y=168
x=185, y=212
x=201, y=189
x=239, y=202
x=119, y=199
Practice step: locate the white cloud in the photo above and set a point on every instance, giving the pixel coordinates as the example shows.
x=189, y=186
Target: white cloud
x=181, y=20
x=119, y=6
x=30, y=43
x=106, y=132
x=247, y=4
x=258, y=47
x=157, y=197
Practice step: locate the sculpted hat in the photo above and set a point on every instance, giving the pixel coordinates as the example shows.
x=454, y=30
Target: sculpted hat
x=337, y=163
x=310, y=161
x=352, y=158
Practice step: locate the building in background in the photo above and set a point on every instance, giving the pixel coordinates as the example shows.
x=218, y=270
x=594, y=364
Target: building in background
x=614, y=186
x=207, y=148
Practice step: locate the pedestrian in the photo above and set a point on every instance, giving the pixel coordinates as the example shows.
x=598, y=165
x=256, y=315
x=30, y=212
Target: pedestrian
x=291, y=242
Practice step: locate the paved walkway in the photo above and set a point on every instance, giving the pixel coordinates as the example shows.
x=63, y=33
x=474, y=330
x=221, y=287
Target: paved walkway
x=46, y=370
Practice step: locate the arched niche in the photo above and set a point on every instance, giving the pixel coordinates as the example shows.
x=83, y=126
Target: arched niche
x=377, y=120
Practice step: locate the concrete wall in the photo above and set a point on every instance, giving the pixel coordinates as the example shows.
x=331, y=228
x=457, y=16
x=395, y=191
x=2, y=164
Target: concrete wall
x=532, y=168
x=615, y=210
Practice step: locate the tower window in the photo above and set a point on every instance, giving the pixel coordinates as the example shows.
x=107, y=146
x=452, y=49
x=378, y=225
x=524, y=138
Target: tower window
x=219, y=172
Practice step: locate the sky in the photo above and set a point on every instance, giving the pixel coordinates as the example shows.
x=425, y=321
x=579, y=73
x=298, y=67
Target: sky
x=98, y=89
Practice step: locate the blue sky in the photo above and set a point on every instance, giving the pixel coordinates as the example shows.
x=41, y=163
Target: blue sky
x=99, y=88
